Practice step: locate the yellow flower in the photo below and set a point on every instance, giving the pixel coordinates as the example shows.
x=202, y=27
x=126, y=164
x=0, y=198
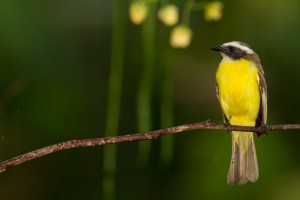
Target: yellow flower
x=138, y=11
x=168, y=14
x=213, y=11
x=181, y=36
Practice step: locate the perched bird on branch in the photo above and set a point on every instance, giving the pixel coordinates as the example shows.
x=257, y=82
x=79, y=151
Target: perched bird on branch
x=242, y=92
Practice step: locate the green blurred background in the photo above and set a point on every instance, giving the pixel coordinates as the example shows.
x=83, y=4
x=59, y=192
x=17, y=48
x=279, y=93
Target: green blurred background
x=55, y=65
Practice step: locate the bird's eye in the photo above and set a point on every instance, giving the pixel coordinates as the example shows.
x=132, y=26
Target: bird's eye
x=231, y=49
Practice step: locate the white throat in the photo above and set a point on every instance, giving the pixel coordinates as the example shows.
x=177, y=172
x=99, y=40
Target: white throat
x=226, y=58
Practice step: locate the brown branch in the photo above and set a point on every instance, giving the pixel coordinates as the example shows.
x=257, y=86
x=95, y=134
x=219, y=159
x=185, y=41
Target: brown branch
x=137, y=137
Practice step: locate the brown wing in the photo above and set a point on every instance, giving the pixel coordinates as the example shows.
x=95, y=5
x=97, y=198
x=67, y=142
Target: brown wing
x=262, y=116
x=226, y=121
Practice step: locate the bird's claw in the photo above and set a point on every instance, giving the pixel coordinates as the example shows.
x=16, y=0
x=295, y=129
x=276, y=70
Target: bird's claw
x=263, y=129
x=226, y=124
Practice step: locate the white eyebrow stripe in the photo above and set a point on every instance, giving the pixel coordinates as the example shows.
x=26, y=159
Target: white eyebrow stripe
x=240, y=46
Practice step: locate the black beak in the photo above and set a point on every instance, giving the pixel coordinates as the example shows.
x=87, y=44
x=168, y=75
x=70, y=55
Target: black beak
x=218, y=48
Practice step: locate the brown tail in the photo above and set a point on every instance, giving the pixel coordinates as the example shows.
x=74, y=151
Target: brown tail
x=243, y=166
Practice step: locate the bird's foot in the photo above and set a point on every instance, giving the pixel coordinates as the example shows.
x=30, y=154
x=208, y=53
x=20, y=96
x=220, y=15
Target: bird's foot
x=226, y=124
x=263, y=129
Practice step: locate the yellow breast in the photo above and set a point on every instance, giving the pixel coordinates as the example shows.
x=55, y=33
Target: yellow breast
x=239, y=94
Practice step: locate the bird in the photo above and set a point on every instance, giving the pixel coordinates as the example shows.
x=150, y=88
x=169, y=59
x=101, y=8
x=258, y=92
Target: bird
x=242, y=92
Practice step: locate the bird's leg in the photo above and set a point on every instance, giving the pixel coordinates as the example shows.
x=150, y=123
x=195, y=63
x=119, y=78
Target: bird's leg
x=263, y=128
x=226, y=124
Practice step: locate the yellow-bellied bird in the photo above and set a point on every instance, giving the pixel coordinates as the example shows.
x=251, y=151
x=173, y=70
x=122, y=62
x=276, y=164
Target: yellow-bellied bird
x=242, y=92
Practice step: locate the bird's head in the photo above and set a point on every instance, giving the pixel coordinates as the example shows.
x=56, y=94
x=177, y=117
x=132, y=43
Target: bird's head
x=235, y=50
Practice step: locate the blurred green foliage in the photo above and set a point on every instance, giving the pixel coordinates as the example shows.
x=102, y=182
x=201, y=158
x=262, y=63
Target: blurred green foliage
x=54, y=69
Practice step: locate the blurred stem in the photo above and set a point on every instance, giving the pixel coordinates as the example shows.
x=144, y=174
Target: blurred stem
x=150, y=1
x=199, y=5
x=144, y=110
x=187, y=11
x=114, y=99
x=164, y=2
x=166, y=116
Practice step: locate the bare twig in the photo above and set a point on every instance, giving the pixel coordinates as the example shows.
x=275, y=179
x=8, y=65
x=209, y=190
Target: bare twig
x=137, y=137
